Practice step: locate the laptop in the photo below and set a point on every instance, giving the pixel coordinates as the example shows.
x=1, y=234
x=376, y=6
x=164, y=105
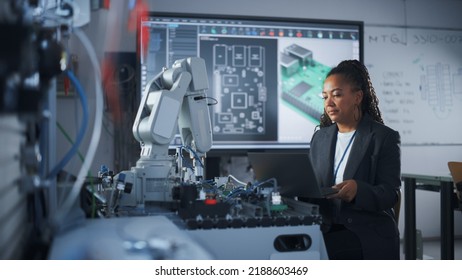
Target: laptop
x=293, y=171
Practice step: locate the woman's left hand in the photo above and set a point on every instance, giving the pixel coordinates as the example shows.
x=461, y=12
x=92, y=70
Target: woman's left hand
x=346, y=190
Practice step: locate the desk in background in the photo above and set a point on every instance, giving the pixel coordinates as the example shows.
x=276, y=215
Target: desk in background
x=444, y=184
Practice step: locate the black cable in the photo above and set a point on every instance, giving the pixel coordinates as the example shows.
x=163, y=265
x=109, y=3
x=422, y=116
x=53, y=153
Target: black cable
x=215, y=102
x=213, y=99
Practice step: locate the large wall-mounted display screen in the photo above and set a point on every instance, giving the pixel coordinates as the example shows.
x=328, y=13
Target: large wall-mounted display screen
x=266, y=74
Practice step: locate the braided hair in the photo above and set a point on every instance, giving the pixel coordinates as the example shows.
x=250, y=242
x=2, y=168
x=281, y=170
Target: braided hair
x=356, y=73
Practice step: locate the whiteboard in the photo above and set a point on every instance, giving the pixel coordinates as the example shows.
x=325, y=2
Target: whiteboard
x=417, y=75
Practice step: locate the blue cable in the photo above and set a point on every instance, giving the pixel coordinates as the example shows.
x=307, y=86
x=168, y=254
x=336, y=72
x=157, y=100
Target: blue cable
x=195, y=155
x=74, y=149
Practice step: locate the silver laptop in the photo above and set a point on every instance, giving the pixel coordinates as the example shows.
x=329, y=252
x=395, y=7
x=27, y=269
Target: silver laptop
x=293, y=172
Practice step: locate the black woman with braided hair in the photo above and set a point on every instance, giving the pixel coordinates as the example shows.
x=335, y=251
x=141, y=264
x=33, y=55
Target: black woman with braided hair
x=355, y=153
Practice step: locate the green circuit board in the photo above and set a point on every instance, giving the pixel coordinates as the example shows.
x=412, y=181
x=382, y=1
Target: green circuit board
x=302, y=80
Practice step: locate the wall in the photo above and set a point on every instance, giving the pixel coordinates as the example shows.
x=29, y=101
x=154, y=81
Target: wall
x=423, y=14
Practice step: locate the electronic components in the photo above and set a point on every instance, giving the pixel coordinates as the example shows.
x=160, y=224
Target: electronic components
x=223, y=202
x=304, y=56
x=302, y=79
x=289, y=64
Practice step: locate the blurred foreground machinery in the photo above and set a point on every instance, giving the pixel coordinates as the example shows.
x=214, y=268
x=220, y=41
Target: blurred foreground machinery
x=30, y=59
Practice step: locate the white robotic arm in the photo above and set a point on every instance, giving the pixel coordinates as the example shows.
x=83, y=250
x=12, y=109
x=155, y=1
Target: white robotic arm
x=174, y=98
x=176, y=95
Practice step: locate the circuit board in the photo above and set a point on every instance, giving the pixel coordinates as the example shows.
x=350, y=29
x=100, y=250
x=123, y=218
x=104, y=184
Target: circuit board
x=302, y=79
x=243, y=81
x=239, y=79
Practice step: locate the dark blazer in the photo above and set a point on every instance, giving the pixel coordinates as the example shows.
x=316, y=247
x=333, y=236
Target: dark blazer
x=375, y=164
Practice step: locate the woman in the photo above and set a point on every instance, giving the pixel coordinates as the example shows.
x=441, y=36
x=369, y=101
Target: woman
x=355, y=153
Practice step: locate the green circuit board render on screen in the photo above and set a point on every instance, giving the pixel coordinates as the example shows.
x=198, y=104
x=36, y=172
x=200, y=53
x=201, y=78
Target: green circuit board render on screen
x=302, y=79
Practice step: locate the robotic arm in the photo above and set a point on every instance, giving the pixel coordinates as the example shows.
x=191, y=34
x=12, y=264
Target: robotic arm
x=175, y=94
x=175, y=97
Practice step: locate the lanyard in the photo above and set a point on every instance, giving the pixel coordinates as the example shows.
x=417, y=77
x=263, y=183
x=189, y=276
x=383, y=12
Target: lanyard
x=343, y=156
